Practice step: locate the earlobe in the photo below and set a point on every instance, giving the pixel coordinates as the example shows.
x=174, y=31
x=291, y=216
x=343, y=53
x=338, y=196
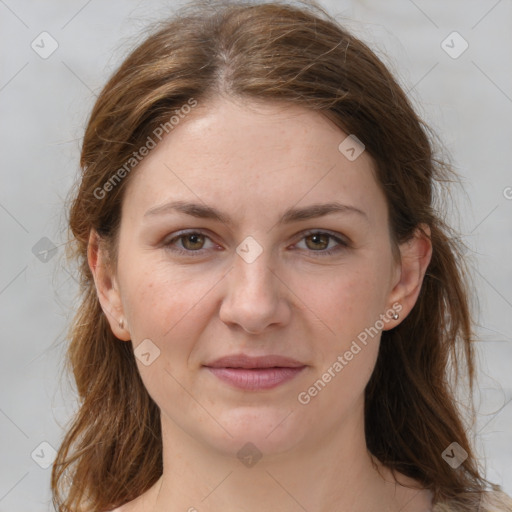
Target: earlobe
x=106, y=286
x=415, y=256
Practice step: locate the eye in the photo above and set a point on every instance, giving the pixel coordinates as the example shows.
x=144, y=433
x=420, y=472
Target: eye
x=191, y=242
x=320, y=242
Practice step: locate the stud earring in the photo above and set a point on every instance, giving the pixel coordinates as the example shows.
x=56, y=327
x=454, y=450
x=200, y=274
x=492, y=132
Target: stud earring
x=121, y=324
x=395, y=316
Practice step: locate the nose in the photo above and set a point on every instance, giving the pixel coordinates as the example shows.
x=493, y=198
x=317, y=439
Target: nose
x=254, y=297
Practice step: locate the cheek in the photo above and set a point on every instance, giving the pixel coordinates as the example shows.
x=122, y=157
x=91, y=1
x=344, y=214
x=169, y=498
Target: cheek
x=170, y=311
x=349, y=299
x=159, y=302
x=349, y=306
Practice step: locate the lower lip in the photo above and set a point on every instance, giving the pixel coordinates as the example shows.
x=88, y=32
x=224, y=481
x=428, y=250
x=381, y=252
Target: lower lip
x=256, y=379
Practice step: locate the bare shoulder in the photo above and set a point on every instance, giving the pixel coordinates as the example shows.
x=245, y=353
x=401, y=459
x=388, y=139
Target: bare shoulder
x=144, y=503
x=132, y=506
x=127, y=507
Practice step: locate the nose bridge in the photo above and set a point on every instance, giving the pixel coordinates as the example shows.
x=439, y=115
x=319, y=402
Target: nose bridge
x=252, y=296
x=252, y=274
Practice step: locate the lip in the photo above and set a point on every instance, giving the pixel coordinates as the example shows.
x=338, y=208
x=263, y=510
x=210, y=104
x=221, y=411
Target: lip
x=255, y=373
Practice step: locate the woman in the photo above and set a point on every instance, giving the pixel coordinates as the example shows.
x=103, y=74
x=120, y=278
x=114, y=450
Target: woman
x=271, y=303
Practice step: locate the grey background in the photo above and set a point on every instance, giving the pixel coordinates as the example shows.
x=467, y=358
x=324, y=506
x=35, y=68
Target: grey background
x=43, y=107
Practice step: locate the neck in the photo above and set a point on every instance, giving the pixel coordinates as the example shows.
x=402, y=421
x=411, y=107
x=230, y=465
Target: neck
x=331, y=475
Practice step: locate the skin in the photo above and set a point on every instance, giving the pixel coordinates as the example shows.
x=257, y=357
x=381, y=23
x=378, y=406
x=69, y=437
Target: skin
x=253, y=161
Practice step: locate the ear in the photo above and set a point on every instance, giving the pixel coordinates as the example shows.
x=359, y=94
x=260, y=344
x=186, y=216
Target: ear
x=106, y=286
x=415, y=256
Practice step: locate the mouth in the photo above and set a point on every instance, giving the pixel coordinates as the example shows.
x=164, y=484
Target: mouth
x=255, y=373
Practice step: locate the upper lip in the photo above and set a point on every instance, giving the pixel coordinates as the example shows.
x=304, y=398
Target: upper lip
x=245, y=361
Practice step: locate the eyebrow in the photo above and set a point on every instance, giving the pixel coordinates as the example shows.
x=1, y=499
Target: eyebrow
x=204, y=211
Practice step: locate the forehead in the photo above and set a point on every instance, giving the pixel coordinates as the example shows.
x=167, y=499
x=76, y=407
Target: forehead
x=256, y=157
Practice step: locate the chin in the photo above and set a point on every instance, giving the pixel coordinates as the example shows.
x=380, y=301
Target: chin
x=269, y=430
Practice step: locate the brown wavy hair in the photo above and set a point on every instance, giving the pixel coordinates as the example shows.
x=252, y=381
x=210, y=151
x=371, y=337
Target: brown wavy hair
x=112, y=451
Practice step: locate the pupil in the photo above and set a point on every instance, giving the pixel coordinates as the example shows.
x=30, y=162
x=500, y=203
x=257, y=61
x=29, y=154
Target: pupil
x=194, y=239
x=317, y=239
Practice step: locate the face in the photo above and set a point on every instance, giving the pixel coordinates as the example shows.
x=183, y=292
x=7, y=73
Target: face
x=284, y=266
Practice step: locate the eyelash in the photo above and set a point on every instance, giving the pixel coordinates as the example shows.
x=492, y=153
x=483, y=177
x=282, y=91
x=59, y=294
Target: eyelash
x=342, y=244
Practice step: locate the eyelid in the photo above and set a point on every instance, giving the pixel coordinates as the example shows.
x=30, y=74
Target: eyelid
x=175, y=237
x=342, y=241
